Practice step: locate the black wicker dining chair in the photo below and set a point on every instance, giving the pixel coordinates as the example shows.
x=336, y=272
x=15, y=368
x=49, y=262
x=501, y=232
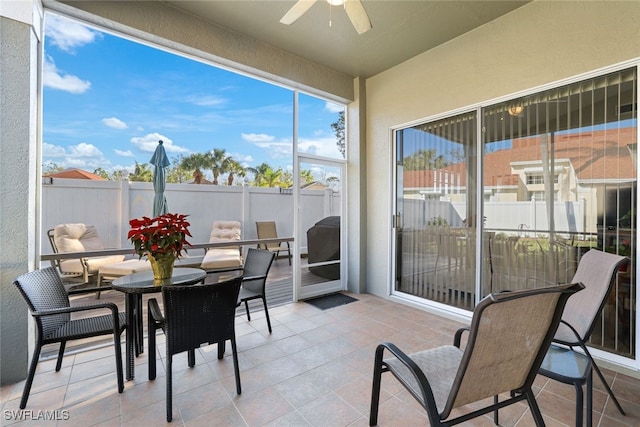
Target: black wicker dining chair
x=193, y=315
x=254, y=278
x=48, y=302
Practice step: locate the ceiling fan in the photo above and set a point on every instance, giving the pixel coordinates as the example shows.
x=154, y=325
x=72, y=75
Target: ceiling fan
x=355, y=12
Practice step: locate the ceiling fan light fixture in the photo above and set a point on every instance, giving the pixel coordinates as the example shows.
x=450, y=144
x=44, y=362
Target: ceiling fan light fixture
x=335, y=2
x=515, y=110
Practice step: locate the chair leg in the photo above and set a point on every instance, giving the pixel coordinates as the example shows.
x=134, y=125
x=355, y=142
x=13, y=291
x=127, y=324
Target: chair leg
x=152, y=347
x=604, y=382
x=535, y=410
x=495, y=411
x=246, y=307
x=266, y=312
x=32, y=371
x=236, y=368
x=375, y=389
x=191, y=358
x=60, y=355
x=169, y=386
x=118, y=350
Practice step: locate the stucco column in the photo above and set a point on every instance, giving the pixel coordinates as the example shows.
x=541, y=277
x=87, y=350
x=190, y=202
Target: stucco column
x=357, y=189
x=19, y=41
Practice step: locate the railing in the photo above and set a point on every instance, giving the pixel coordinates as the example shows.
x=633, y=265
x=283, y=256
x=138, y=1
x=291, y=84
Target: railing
x=439, y=264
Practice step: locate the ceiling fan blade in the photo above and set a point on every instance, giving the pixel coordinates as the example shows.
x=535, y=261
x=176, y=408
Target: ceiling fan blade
x=296, y=11
x=357, y=15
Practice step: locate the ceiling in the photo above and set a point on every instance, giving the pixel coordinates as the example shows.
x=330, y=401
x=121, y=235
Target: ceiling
x=401, y=29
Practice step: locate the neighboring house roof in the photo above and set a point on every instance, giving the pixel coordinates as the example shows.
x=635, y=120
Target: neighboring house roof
x=76, y=174
x=595, y=156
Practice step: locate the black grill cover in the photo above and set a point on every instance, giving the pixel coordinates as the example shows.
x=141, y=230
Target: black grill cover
x=323, y=244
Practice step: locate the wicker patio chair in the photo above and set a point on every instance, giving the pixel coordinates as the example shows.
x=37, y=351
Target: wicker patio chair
x=267, y=230
x=509, y=335
x=193, y=315
x=254, y=278
x=597, y=270
x=48, y=302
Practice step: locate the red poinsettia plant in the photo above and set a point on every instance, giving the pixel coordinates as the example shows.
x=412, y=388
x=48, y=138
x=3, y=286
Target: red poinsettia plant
x=159, y=236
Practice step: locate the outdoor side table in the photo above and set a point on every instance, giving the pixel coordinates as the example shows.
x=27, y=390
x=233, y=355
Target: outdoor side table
x=570, y=367
x=136, y=284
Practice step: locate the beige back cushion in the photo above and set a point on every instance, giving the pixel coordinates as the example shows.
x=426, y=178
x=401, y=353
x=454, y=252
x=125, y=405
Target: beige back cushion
x=224, y=231
x=77, y=238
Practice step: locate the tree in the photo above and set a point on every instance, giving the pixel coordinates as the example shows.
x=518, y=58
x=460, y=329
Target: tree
x=50, y=168
x=195, y=162
x=142, y=173
x=272, y=178
x=424, y=160
x=259, y=173
x=177, y=173
x=234, y=168
x=219, y=163
x=338, y=130
x=101, y=173
x=306, y=176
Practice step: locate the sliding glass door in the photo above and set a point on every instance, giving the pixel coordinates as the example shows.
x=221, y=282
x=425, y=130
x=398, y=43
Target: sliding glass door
x=559, y=177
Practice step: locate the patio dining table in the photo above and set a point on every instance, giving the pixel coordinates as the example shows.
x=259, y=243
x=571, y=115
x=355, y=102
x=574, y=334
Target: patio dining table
x=136, y=284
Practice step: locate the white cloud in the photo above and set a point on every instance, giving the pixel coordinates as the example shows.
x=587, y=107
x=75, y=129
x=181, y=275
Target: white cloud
x=114, y=122
x=149, y=142
x=52, y=151
x=206, y=101
x=123, y=153
x=83, y=156
x=67, y=34
x=85, y=150
x=333, y=108
x=257, y=137
x=276, y=149
x=242, y=158
x=53, y=78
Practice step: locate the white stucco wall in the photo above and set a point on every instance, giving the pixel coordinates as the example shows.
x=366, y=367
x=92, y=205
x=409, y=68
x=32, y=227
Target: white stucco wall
x=540, y=43
x=18, y=178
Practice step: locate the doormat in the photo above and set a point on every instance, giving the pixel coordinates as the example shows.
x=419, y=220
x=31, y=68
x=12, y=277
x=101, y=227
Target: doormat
x=329, y=301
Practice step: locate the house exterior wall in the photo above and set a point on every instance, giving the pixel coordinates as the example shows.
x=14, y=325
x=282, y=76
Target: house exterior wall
x=537, y=44
x=19, y=38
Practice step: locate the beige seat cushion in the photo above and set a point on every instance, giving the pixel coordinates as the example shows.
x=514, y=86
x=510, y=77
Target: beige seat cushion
x=227, y=257
x=137, y=265
x=81, y=238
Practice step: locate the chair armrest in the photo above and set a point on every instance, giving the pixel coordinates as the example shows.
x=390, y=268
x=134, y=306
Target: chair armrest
x=577, y=335
x=154, y=311
x=414, y=369
x=250, y=278
x=81, y=291
x=458, y=335
x=105, y=305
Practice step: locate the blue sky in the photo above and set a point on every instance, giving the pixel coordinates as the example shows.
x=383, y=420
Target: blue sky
x=108, y=100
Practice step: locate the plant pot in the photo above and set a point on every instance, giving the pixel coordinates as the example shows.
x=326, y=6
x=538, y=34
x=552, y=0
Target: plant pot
x=162, y=266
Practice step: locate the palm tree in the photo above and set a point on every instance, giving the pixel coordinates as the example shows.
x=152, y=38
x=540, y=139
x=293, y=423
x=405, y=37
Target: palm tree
x=306, y=176
x=219, y=163
x=259, y=173
x=235, y=169
x=142, y=173
x=196, y=162
x=272, y=178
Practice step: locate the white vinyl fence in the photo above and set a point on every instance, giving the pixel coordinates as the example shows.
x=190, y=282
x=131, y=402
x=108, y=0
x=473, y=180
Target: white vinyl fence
x=109, y=205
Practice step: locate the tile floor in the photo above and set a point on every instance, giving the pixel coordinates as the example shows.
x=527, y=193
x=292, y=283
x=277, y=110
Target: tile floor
x=314, y=370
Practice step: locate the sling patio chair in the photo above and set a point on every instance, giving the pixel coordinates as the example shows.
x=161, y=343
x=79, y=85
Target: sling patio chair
x=508, y=338
x=49, y=305
x=267, y=230
x=193, y=315
x=597, y=270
